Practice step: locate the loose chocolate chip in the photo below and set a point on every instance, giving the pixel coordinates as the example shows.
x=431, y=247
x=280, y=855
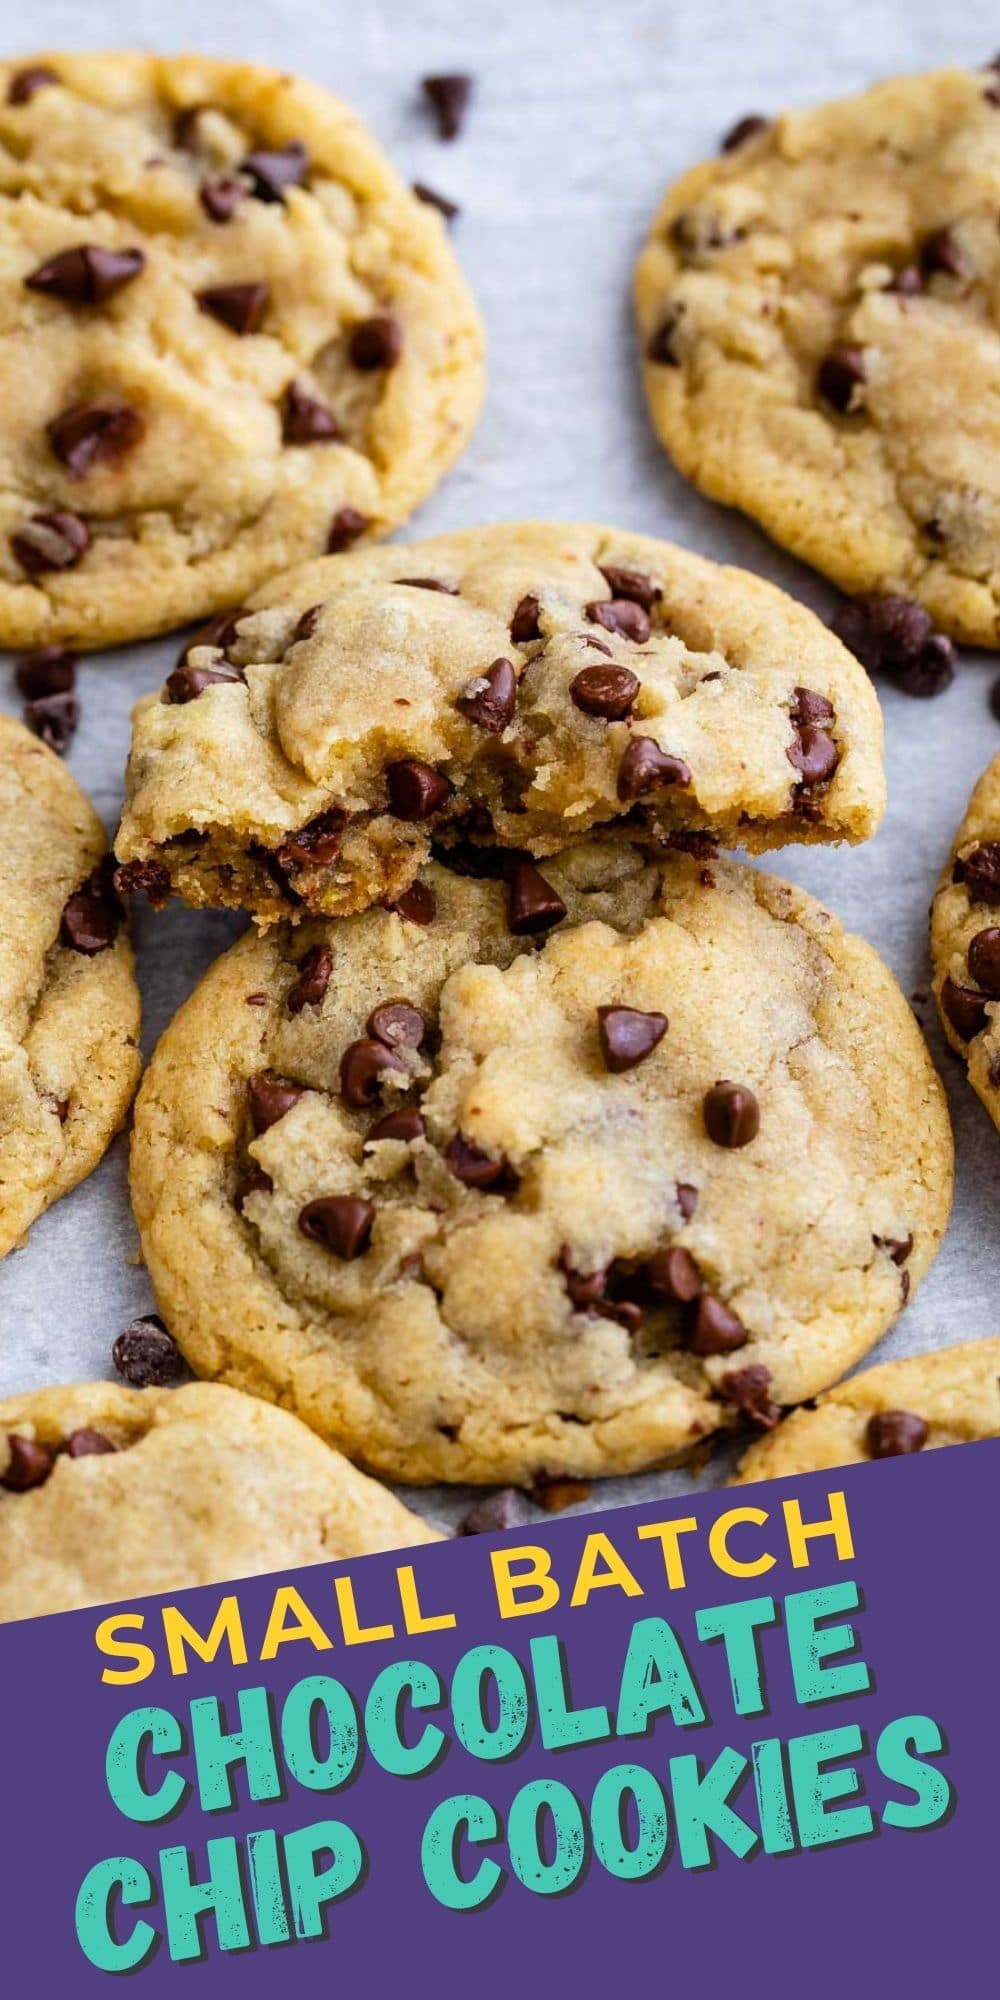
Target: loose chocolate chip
x=895, y=635
x=980, y=871
x=984, y=961
x=645, y=768
x=252, y=1180
x=271, y=1097
x=417, y=904
x=340, y=1222
x=240, y=307
x=314, y=978
x=931, y=672
x=623, y=616
x=687, y=1198
x=427, y=583
x=48, y=670
x=731, y=1114
x=746, y=128
x=186, y=683
x=750, y=1389
x=87, y=274
x=53, y=718
x=449, y=209
x=46, y=541
x=150, y=878
x=940, y=252
x=489, y=700
x=633, y=584
x=506, y=1508
x=896, y=1247
x=448, y=97
x=362, y=1067
x=146, y=1354
x=627, y=1036
x=347, y=526
x=376, y=343
x=273, y=170
x=29, y=1464
x=965, y=1009
x=808, y=707
x=662, y=346
x=473, y=1167
x=316, y=844
x=305, y=420
x=524, y=626
x=895, y=1433
x=220, y=196
x=416, y=790
x=90, y=919
x=673, y=1274
x=813, y=753
x=533, y=906
x=716, y=1329
x=908, y=282
x=608, y=692
x=405, y=1124
x=88, y=1444
x=398, y=1024
x=840, y=376
x=94, y=434
x=26, y=83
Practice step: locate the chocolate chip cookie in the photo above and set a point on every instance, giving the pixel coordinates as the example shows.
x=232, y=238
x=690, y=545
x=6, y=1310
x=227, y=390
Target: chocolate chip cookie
x=512, y=687
x=949, y=1397
x=69, y=1004
x=232, y=339
x=965, y=941
x=821, y=338
x=108, y=1493
x=547, y=1175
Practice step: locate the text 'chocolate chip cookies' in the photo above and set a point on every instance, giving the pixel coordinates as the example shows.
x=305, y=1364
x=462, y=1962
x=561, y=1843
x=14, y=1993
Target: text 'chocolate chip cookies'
x=69, y=1004
x=485, y=1204
x=232, y=339
x=821, y=341
x=510, y=687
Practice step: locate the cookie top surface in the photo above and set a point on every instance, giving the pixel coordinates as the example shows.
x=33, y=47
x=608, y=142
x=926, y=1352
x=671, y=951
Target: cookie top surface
x=518, y=684
x=484, y=1289
x=201, y=1486
x=230, y=333
x=949, y=1397
x=965, y=941
x=819, y=321
x=69, y=1004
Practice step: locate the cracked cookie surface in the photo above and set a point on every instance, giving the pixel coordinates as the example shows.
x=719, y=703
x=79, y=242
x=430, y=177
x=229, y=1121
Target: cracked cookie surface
x=108, y=1493
x=818, y=311
x=926, y=1400
x=69, y=1004
x=965, y=941
x=516, y=685
x=485, y=1206
x=231, y=337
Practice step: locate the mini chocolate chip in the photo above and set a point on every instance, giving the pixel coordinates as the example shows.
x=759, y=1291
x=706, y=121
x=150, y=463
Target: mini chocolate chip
x=448, y=97
x=53, y=718
x=347, y=526
x=633, y=584
x=627, y=1036
x=216, y=632
x=687, y=1198
x=585, y=1288
x=257, y=1000
x=808, y=707
x=48, y=670
x=608, y=692
x=313, y=978
x=271, y=1097
x=272, y=170
x=673, y=1274
x=220, y=196
x=252, y=1180
x=305, y=420
x=840, y=375
x=813, y=753
x=90, y=919
x=449, y=209
x=662, y=345
x=731, y=1114
x=931, y=672
x=417, y=904
x=150, y=878
x=896, y=1247
x=416, y=790
x=473, y=1167
x=533, y=906
x=86, y=1443
x=507, y=1508
x=907, y=282
x=645, y=768
x=398, y=1024
x=405, y=1124
x=50, y=540
x=94, y=434
x=895, y=1433
x=239, y=307
x=693, y=841
x=995, y=699
x=984, y=961
x=376, y=343
x=489, y=700
x=621, y=615
x=316, y=844
x=980, y=871
x=187, y=682
x=362, y=1067
x=146, y=1354
x=750, y=1389
x=340, y=1222
x=524, y=626
x=29, y=1464
x=716, y=1329
x=746, y=128
x=964, y=1009
x=26, y=83
x=940, y=252
x=87, y=274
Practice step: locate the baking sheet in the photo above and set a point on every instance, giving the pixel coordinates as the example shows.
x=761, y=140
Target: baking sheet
x=582, y=115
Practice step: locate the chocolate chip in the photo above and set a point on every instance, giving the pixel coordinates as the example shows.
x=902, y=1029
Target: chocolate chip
x=554, y=1494
x=91, y=917
x=507, y=1508
x=186, y=683
x=271, y=1097
x=623, y=616
x=449, y=209
x=274, y=169
x=813, y=753
x=489, y=700
x=376, y=343
x=585, y=1288
x=417, y=904
x=147, y=1355
x=187, y=133
x=87, y=274
x=662, y=346
x=749, y=1388
x=48, y=670
x=896, y=1247
x=940, y=252
x=931, y=672
x=26, y=83
x=347, y=525
x=240, y=307
x=340, y=1222
x=731, y=1114
x=673, y=1274
x=416, y=790
x=50, y=540
x=633, y=584
x=252, y=1180
x=53, y=718
x=150, y=878
x=627, y=1036
x=533, y=906
x=908, y=282
x=405, y=1124
x=687, y=1198
x=883, y=632
x=524, y=626
x=220, y=196
x=362, y=1067
x=86, y=1443
x=426, y=583
x=964, y=1009
x=808, y=707
x=449, y=98
x=608, y=692
x=995, y=699
x=316, y=844
x=473, y=1167
x=29, y=1464
x=980, y=871
x=94, y=434
x=746, y=128
x=398, y=1024
x=645, y=768
x=313, y=979
x=217, y=632
x=840, y=376
x=716, y=1330
x=305, y=420
x=895, y=1433
x=984, y=961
